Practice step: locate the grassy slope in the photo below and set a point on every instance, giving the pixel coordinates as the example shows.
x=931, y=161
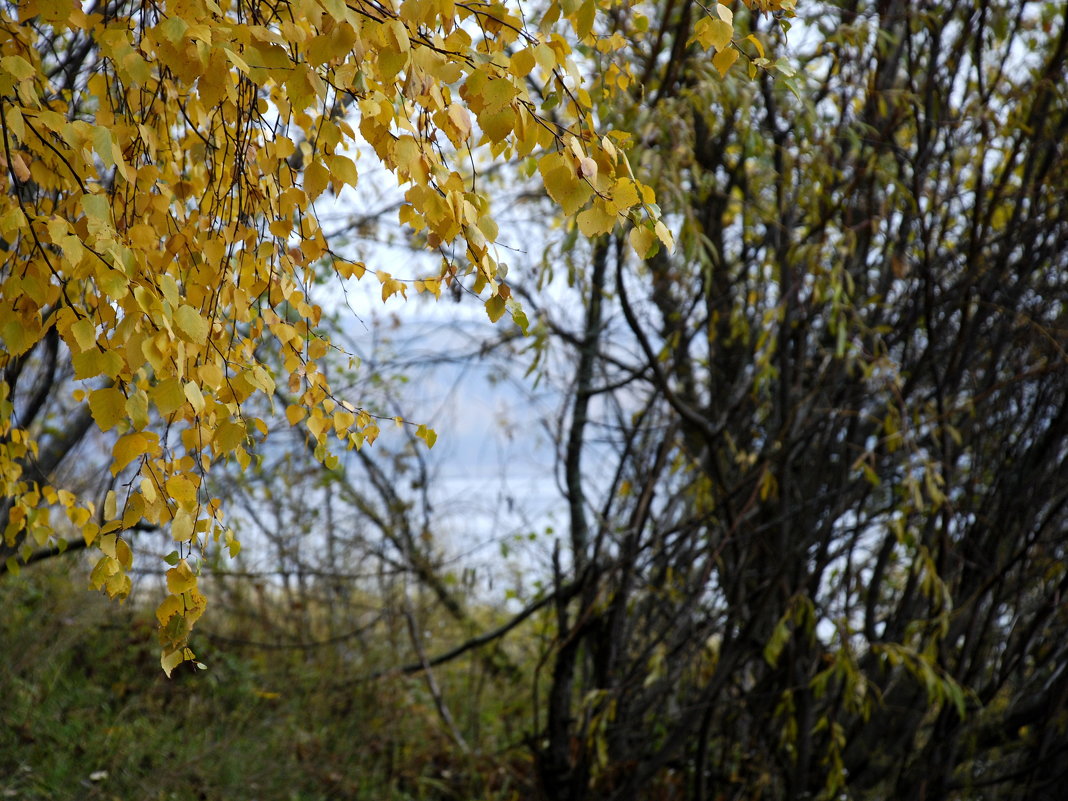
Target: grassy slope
x=86, y=713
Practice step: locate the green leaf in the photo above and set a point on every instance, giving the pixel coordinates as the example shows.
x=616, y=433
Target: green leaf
x=779, y=637
x=519, y=317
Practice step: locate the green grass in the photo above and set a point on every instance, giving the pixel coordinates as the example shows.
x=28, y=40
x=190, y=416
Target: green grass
x=86, y=713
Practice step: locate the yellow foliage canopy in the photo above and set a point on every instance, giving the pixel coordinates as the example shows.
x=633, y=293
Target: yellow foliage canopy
x=159, y=167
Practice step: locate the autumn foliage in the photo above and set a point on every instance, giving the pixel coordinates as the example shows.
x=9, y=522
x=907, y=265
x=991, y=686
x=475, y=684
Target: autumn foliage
x=161, y=164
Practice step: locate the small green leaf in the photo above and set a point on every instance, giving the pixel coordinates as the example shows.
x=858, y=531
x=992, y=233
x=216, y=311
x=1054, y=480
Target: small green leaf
x=519, y=317
x=779, y=637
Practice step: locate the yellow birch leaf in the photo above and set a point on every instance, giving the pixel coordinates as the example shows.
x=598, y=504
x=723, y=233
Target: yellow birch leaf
x=343, y=421
x=495, y=308
x=712, y=33
x=18, y=166
x=317, y=424
x=173, y=28
x=110, y=504
x=180, y=578
x=642, y=240
x=189, y=322
x=134, y=511
x=428, y=435
x=93, y=362
x=724, y=60
x=104, y=145
x=97, y=210
x=124, y=554
x=182, y=526
x=137, y=408
x=496, y=125
x=169, y=607
x=595, y=221
x=89, y=529
x=127, y=448
x=521, y=63
x=624, y=196
x=545, y=56
x=236, y=60
x=584, y=18
x=316, y=178
x=169, y=660
x=168, y=396
x=562, y=184
x=105, y=567
x=182, y=490
x=343, y=169
x=228, y=436
x=108, y=407
x=392, y=286
x=461, y=119
x=79, y=516
x=18, y=338
x=349, y=269
x=664, y=235
x=84, y=333
x=194, y=396
x=756, y=43
x=17, y=67
x=211, y=375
